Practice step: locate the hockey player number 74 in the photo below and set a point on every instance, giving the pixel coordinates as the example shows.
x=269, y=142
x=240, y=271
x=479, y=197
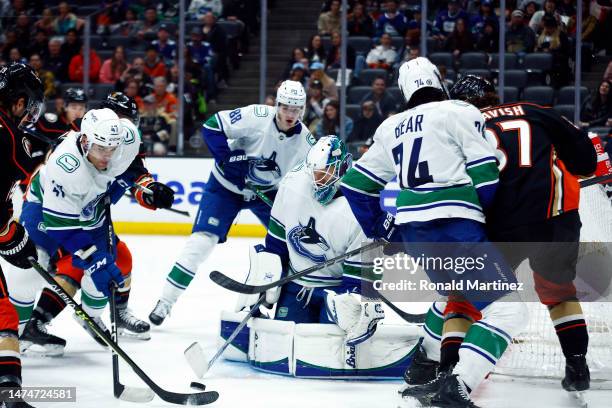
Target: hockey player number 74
x=411, y=179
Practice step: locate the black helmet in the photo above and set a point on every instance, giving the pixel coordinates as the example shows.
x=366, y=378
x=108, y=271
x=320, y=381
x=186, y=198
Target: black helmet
x=20, y=81
x=470, y=88
x=122, y=105
x=74, y=95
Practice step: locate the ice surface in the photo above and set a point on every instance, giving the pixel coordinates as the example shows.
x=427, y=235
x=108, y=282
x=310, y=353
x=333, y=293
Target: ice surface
x=196, y=317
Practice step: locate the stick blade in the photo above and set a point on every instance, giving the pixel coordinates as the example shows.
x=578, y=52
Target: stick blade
x=196, y=357
x=134, y=394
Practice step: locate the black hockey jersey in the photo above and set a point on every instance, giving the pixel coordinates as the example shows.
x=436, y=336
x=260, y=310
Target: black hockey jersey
x=540, y=155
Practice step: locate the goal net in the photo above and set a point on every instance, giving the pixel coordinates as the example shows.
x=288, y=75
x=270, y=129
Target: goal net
x=536, y=353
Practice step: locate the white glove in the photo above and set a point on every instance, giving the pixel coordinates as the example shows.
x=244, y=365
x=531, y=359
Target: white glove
x=355, y=315
x=266, y=267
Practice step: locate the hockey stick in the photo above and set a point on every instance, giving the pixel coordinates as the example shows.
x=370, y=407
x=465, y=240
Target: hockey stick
x=40, y=136
x=200, y=398
x=174, y=210
x=596, y=180
x=195, y=355
x=410, y=318
x=120, y=391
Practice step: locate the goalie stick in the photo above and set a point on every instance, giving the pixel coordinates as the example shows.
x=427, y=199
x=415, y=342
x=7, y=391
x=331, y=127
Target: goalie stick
x=195, y=355
x=200, y=398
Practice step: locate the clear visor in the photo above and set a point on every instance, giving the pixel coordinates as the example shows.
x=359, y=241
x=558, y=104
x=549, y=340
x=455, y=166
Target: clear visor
x=290, y=111
x=33, y=111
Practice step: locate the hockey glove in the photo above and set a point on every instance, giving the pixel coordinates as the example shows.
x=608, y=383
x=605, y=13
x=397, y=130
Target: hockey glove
x=101, y=267
x=384, y=229
x=16, y=246
x=162, y=196
x=236, y=167
x=266, y=267
x=356, y=315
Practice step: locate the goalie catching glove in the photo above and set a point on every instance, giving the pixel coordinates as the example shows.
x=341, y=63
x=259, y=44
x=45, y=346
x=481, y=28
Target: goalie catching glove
x=16, y=246
x=160, y=195
x=266, y=267
x=356, y=315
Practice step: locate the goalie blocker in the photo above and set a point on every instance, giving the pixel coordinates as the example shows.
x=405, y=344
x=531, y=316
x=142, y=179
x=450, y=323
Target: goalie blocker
x=287, y=348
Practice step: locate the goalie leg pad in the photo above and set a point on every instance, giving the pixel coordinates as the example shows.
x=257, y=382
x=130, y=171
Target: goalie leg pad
x=239, y=348
x=271, y=346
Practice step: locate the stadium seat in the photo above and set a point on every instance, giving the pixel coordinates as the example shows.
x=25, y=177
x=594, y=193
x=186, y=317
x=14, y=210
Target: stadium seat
x=104, y=54
x=515, y=77
x=566, y=95
x=366, y=76
x=98, y=42
x=484, y=73
x=511, y=93
x=542, y=95
x=510, y=61
x=353, y=111
x=356, y=93
x=397, y=42
x=565, y=110
x=116, y=40
x=441, y=58
x=538, y=66
x=473, y=60
x=360, y=44
x=451, y=74
x=233, y=29
x=132, y=53
x=395, y=92
x=101, y=91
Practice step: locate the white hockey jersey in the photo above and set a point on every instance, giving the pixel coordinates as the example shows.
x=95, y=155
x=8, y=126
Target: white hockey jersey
x=440, y=157
x=71, y=189
x=314, y=233
x=272, y=153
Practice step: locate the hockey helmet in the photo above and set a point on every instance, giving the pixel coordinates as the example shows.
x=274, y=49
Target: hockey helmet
x=470, y=88
x=419, y=73
x=327, y=161
x=75, y=95
x=122, y=105
x=103, y=128
x=21, y=81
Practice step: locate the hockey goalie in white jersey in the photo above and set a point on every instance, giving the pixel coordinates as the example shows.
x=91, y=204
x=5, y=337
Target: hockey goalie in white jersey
x=324, y=322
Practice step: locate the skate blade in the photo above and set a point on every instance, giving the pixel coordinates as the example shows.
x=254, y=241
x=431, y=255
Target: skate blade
x=38, y=351
x=132, y=335
x=579, y=396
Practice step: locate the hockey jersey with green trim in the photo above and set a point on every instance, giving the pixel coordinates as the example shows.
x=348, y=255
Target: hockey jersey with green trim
x=314, y=233
x=440, y=157
x=272, y=153
x=71, y=189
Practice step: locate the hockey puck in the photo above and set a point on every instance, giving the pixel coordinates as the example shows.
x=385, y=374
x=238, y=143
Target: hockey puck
x=197, y=386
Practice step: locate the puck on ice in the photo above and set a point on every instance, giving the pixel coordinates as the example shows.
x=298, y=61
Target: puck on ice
x=198, y=386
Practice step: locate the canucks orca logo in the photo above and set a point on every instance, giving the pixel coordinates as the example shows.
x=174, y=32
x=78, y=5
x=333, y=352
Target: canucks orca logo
x=264, y=171
x=304, y=239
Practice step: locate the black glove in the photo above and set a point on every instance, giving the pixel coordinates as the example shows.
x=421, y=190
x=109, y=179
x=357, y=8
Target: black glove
x=384, y=229
x=236, y=167
x=16, y=246
x=162, y=197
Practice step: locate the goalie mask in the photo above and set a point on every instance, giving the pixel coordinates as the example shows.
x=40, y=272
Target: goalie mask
x=104, y=133
x=290, y=102
x=327, y=161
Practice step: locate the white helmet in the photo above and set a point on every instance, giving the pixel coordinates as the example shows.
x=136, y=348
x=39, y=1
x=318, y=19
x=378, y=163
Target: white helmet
x=291, y=93
x=419, y=73
x=102, y=127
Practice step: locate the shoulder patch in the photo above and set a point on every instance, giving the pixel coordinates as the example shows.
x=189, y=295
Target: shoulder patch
x=51, y=117
x=68, y=162
x=129, y=137
x=261, y=111
x=311, y=139
x=213, y=123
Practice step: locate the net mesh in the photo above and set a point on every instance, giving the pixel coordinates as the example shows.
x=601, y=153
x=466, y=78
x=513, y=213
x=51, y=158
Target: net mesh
x=536, y=352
